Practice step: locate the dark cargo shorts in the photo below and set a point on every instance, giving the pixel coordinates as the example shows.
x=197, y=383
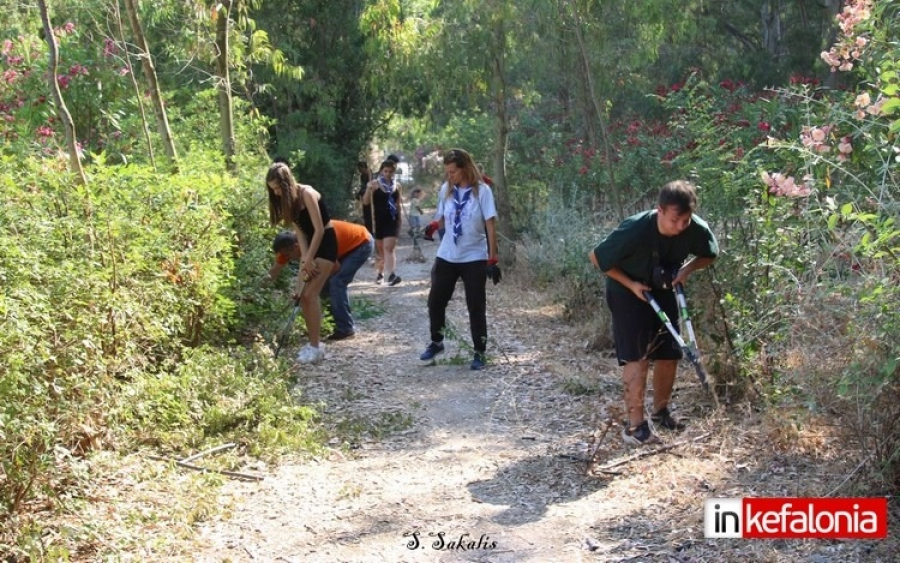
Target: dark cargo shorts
x=637, y=329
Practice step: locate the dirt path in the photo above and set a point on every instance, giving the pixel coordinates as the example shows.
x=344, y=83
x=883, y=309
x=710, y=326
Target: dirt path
x=455, y=465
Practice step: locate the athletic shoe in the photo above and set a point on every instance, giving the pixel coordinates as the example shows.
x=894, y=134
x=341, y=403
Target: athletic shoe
x=341, y=335
x=477, y=362
x=432, y=351
x=640, y=435
x=393, y=280
x=665, y=420
x=311, y=355
x=379, y=279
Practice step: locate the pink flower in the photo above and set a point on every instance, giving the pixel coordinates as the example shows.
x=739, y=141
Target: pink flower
x=764, y=126
x=781, y=185
x=109, y=47
x=844, y=148
x=7, y=47
x=69, y=27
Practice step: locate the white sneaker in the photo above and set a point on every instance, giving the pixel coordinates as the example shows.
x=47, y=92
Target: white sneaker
x=311, y=355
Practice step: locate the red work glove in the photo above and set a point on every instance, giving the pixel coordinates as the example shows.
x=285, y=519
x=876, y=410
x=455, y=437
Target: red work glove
x=430, y=229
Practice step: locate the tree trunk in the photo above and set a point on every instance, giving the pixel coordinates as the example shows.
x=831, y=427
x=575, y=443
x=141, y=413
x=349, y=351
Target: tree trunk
x=226, y=107
x=64, y=115
x=134, y=84
x=578, y=85
x=498, y=159
x=607, y=148
x=162, y=122
x=834, y=7
x=772, y=27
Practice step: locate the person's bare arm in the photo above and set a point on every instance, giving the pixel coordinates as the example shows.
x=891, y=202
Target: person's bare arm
x=490, y=226
x=311, y=201
x=696, y=263
x=275, y=270
x=370, y=189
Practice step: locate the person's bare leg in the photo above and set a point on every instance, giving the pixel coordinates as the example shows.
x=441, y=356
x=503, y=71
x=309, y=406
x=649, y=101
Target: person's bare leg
x=663, y=382
x=379, y=256
x=634, y=378
x=310, y=304
x=390, y=254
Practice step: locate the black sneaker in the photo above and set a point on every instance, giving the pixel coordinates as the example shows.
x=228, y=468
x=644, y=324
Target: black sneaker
x=341, y=335
x=640, y=435
x=380, y=278
x=393, y=280
x=477, y=362
x=665, y=420
x=432, y=351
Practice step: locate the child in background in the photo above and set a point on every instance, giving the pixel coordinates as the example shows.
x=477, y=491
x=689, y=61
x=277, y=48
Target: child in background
x=415, y=212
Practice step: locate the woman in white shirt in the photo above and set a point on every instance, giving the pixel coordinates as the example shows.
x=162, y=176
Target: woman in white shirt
x=468, y=250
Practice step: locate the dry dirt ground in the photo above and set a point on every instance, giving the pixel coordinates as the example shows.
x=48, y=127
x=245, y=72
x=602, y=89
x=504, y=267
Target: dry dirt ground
x=440, y=463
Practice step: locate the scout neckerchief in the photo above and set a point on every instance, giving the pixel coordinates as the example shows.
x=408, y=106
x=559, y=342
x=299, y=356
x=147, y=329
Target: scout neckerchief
x=388, y=188
x=461, y=197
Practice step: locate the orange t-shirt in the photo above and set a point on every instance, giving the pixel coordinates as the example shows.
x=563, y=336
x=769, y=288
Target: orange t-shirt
x=349, y=236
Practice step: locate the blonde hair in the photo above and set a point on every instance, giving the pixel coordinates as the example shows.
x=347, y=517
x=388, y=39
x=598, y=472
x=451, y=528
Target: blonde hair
x=464, y=162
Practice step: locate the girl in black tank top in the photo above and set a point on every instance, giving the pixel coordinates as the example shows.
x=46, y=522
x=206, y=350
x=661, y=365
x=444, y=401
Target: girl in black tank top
x=303, y=208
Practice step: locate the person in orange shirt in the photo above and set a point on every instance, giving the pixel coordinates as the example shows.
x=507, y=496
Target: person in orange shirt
x=354, y=247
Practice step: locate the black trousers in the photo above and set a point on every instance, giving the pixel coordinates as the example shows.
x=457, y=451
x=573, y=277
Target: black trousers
x=444, y=276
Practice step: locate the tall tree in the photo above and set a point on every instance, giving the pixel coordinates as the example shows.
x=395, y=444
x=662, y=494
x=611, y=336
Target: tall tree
x=162, y=121
x=223, y=13
x=501, y=13
x=117, y=16
x=597, y=107
x=64, y=115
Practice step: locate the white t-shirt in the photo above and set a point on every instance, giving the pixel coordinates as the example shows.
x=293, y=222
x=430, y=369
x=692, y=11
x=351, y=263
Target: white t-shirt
x=472, y=243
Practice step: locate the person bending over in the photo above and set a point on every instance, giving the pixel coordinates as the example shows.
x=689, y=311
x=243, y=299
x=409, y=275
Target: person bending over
x=647, y=252
x=354, y=247
x=302, y=207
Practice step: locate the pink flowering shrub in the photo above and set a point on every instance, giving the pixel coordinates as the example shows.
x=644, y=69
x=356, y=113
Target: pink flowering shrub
x=90, y=76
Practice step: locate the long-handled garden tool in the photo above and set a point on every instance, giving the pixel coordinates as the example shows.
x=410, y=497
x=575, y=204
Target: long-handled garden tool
x=284, y=334
x=689, y=350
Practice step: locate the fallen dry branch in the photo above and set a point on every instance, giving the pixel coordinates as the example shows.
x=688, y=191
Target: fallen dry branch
x=654, y=451
x=191, y=458
x=235, y=474
x=598, y=440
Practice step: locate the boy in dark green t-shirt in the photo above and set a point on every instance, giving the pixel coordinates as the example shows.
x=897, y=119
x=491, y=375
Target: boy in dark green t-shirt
x=647, y=252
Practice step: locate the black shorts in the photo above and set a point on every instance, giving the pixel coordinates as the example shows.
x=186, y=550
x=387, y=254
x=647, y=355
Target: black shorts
x=385, y=229
x=637, y=329
x=328, y=247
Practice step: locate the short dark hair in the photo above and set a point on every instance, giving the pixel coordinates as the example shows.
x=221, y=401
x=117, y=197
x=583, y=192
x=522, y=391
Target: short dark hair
x=681, y=194
x=393, y=158
x=284, y=240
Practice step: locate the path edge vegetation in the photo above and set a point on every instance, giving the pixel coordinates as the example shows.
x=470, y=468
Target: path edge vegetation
x=131, y=304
